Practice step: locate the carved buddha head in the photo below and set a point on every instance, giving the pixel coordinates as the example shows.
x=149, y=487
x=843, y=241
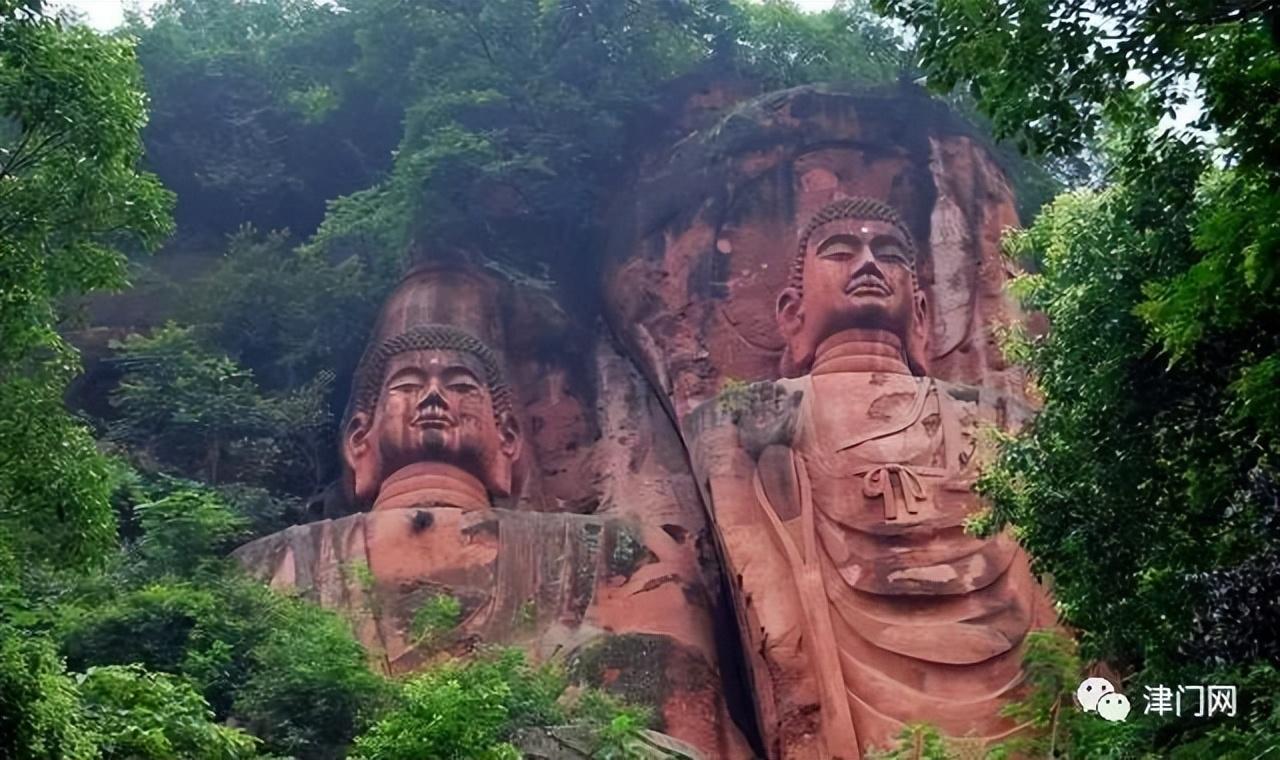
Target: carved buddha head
x=432, y=394
x=854, y=277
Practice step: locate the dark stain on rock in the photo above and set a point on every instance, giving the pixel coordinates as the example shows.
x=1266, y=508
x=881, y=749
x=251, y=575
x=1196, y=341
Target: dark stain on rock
x=657, y=582
x=627, y=553
x=643, y=669
x=489, y=526
x=890, y=406
x=676, y=532
x=421, y=521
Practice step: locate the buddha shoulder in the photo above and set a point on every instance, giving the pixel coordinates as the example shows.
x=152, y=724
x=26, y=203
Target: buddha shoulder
x=983, y=406
x=763, y=413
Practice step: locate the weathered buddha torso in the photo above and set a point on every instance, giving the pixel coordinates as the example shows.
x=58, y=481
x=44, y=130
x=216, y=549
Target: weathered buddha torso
x=860, y=506
x=464, y=544
x=892, y=476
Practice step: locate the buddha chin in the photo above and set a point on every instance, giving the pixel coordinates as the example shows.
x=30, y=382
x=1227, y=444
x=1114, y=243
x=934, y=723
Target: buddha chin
x=431, y=440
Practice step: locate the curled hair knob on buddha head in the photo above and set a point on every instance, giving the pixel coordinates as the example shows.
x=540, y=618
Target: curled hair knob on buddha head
x=848, y=208
x=369, y=373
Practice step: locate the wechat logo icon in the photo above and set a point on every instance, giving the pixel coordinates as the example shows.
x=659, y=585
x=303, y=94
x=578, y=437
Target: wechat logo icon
x=1097, y=695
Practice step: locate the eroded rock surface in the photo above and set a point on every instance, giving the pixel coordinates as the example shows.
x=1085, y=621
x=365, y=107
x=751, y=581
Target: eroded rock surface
x=802, y=295
x=523, y=487
x=819, y=309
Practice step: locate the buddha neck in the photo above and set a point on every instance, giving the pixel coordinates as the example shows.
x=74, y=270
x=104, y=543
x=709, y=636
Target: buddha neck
x=432, y=484
x=860, y=350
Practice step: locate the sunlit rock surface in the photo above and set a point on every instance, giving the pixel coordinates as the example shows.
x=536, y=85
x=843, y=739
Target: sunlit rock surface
x=671, y=447
x=814, y=285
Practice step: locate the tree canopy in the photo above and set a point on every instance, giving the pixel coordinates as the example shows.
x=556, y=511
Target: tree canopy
x=1146, y=487
x=302, y=149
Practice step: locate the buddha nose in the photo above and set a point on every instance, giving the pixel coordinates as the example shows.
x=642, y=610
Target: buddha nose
x=864, y=260
x=865, y=266
x=433, y=397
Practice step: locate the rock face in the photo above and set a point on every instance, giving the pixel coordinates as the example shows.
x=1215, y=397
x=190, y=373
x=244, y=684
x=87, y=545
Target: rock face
x=784, y=396
x=518, y=468
x=818, y=307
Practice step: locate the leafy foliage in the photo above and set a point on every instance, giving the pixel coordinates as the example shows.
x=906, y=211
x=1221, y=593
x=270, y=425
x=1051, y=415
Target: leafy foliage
x=54, y=485
x=468, y=710
x=186, y=527
x=246, y=96
x=40, y=716
x=289, y=313
x=518, y=114
x=289, y=672
x=154, y=716
x=179, y=399
x=70, y=109
x=1059, y=727
x=473, y=709
x=1241, y=601
x=162, y=626
x=280, y=666
x=195, y=410
x=783, y=46
x=1049, y=71
x=310, y=689
x=436, y=616
x=917, y=741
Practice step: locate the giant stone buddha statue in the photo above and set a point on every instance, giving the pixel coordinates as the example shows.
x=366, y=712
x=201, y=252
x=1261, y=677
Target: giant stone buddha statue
x=431, y=423
x=436, y=460
x=840, y=495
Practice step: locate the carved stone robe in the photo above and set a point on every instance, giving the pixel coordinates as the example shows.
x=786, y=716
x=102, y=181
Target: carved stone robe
x=866, y=604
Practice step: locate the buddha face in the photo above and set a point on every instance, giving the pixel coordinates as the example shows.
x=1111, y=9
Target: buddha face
x=433, y=405
x=857, y=275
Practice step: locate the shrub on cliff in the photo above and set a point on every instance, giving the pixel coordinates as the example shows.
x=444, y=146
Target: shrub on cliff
x=1145, y=487
x=473, y=710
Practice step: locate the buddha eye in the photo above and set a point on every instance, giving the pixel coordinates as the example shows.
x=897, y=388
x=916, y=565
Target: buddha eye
x=837, y=250
x=889, y=249
x=462, y=386
x=405, y=386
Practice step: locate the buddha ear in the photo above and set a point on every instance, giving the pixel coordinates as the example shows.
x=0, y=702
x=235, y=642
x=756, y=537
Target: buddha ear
x=500, y=470
x=790, y=316
x=509, y=430
x=790, y=313
x=918, y=339
x=357, y=452
x=920, y=305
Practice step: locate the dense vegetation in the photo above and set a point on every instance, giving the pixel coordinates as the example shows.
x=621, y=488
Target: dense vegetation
x=304, y=147
x=1147, y=487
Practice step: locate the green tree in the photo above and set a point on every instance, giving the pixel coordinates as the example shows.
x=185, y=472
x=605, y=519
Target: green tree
x=185, y=528
x=471, y=710
x=71, y=107
x=247, y=96
x=1146, y=486
x=172, y=604
x=195, y=410
x=782, y=46
x=310, y=689
x=519, y=115
x=1049, y=72
x=288, y=672
x=180, y=401
x=40, y=715
x=289, y=313
x=137, y=715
